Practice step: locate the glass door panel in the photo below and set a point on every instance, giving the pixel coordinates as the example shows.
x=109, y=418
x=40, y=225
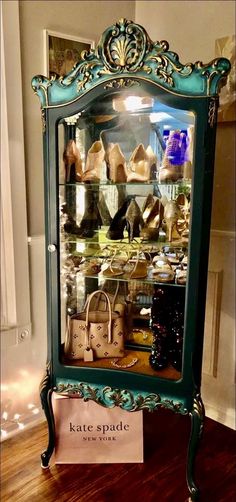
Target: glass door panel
x=125, y=175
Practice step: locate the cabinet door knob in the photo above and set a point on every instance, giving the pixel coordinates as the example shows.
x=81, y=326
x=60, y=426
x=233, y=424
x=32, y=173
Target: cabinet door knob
x=51, y=248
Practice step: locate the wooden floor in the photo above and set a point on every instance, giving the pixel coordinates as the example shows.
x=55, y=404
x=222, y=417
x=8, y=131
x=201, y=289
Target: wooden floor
x=161, y=478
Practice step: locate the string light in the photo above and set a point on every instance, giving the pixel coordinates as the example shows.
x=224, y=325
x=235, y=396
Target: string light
x=35, y=411
x=12, y=420
x=4, y=387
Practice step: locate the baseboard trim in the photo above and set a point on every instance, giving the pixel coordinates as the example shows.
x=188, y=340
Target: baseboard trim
x=220, y=415
x=229, y=234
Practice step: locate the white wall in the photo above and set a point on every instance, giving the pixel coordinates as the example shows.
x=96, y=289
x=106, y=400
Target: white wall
x=191, y=28
x=87, y=19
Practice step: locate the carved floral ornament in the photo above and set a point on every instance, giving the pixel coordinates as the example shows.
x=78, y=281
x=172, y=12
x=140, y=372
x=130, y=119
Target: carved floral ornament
x=125, y=399
x=125, y=49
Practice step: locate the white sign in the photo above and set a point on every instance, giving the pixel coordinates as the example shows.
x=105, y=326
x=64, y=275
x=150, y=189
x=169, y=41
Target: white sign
x=87, y=433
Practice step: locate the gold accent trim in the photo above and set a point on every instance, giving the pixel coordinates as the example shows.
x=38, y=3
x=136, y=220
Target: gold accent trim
x=129, y=76
x=198, y=409
x=44, y=124
x=119, y=83
x=46, y=378
x=45, y=93
x=212, y=112
x=165, y=68
x=209, y=74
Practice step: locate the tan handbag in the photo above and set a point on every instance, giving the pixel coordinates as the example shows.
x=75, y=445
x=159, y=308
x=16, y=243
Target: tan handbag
x=95, y=334
x=117, y=302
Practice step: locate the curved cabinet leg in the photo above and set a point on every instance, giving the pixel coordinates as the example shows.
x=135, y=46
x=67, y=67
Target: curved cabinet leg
x=197, y=419
x=46, y=400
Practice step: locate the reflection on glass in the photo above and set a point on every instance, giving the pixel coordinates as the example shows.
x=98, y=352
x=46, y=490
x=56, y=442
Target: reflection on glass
x=125, y=169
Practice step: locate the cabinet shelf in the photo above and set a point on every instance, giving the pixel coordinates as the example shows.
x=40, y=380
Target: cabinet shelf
x=142, y=366
x=116, y=278
x=108, y=183
x=99, y=238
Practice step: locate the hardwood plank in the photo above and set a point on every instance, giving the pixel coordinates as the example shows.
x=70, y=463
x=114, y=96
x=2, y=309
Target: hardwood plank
x=161, y=478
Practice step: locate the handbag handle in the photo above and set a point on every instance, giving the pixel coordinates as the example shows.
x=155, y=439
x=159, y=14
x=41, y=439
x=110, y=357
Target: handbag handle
x=109, y=314
x=99, y=291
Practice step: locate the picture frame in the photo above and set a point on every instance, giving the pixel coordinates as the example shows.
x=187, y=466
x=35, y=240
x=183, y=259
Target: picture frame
x=62, y=52
x=225, y=47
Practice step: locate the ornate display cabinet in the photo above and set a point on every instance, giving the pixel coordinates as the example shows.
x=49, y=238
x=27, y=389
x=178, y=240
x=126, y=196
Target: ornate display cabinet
x=129, y=138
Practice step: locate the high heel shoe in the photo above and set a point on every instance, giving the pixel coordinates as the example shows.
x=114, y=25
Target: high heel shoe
x=91, y=220
x=136, y=267
x=153, y=162
x=117, y=165
x=171, y=214
x=181, y=277
x=72, y=162
x=172, y=165
x=94, y=163
x=116, y=266
x=103, y=210
x=71, y=227
x=91, y=266
x=187, y=171
x=138, y=166
x=150, y=231
x=117, y=226
x=162, y=270
x=134, y=220
x=183, y=221
x=147, y=206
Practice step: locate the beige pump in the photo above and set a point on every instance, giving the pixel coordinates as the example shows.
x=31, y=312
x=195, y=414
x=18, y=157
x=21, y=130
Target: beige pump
x=117, y=164
x=94, y=162
x=71, y=156
x=139, y=165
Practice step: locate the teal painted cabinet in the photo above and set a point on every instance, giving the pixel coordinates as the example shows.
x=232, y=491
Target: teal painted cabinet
x=129, y=138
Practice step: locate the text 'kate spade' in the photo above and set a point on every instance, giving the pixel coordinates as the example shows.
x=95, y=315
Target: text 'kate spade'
x=103, y=428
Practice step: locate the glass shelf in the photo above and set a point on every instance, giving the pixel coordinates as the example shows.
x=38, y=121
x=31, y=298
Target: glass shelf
x=111, y=183
x=99, y=238
x=126, y=278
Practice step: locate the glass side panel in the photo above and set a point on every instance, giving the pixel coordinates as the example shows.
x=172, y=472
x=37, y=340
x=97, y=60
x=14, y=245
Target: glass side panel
x=125, y=174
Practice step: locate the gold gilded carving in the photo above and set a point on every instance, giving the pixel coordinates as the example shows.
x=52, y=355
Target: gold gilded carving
x=212, y=112
x=124, y=47
x=43, y=120
x=164, y=66
x=46, y=378
x=198, y=409
x=210, y=74
x=119, y=83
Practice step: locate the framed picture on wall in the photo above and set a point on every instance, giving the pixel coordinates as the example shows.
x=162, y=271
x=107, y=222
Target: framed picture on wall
x=225, y=47
x=62, y=52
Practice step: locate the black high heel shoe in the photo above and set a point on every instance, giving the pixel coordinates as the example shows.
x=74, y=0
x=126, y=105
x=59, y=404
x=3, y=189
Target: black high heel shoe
x=91, y=220
x=71, y=227
x=134, y=220
x=103, y=210
x=117, y=226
